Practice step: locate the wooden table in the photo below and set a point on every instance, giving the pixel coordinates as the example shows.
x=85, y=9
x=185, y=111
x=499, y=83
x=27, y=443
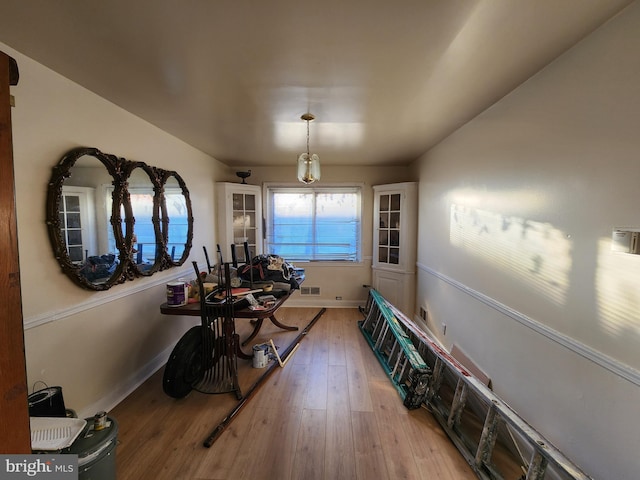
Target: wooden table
x=256, y=316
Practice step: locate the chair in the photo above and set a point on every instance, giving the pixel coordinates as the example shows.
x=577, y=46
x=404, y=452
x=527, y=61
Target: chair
x=220, y=342
x=205, y=359
x=206, y=257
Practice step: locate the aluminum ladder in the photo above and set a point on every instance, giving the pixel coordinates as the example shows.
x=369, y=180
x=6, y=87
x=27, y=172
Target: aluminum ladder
x=479, y=423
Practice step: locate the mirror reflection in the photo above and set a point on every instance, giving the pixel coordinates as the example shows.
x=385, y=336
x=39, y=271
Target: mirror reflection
x=104, y=217
x=84, y=214
x=177, y=215
x=145, y=248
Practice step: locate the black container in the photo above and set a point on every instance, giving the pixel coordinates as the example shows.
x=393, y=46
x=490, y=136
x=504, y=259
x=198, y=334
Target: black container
x=47, y=402
x=96, y=450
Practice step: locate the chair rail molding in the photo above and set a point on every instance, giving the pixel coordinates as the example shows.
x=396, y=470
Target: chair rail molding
x=614, y=366
x=99, y=299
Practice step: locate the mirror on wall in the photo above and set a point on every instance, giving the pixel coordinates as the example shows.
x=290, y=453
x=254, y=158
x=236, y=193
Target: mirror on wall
x=142, y=207
x=177, y=221
x=108, y=218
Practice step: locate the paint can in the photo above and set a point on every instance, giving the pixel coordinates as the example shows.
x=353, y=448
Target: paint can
x=177, y=295
x=100, y=421
x=260, y=357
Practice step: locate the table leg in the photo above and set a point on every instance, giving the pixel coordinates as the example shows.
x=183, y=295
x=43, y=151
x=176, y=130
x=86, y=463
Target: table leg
x=275, y=321
x=257, y=324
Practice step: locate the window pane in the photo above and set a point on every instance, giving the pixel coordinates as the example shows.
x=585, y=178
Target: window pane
x=291, y=225
x=142, y=206
x=74, y=237
x=395, y=201
x=73, y=220
x=75, y=254
x=72, y=203
x=394, y=220
x=179, y=221
x=384, y=220
x=322, y=224
x=238, y=201
x=395, y=237
x=384, y=203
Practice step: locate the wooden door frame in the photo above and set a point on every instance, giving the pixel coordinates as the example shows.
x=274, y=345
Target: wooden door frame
x=14, y=412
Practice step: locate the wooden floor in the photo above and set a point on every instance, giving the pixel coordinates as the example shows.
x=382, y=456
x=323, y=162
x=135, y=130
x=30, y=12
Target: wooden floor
x=330, y=413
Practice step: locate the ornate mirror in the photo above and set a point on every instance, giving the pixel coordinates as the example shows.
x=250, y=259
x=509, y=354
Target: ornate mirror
x=111, y=219
x=177, y=220
x=79, y=218
x=142, y=206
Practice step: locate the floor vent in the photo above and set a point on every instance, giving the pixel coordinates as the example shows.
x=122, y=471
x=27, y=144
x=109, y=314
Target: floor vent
x=309, y=290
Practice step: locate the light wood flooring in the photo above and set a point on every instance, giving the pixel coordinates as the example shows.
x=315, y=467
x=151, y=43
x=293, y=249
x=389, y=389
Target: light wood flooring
x=330, y=413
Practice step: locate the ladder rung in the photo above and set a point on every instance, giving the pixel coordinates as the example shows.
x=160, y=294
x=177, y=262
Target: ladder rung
x=397, y=362
x=382, y=333
x=459, y=400
x=488, y=437
x=537, y=467
x=436, y=379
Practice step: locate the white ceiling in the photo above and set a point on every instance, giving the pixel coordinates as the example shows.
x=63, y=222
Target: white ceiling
x=385, y=79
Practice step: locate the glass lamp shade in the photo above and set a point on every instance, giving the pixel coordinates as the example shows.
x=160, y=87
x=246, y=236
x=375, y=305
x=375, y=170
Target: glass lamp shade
x=308, y=168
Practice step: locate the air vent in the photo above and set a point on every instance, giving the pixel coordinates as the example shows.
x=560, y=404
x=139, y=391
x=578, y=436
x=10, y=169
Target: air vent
x=309, y=290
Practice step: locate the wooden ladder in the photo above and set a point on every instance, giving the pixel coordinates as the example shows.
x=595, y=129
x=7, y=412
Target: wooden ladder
x=474, y=418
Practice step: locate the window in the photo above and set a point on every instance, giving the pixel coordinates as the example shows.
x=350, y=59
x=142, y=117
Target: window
x=142, y=208
x=314, y=224
x=76, y=222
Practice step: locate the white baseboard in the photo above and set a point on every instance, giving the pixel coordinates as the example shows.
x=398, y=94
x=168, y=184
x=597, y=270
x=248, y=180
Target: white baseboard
x=127, y=386
x=323, y=303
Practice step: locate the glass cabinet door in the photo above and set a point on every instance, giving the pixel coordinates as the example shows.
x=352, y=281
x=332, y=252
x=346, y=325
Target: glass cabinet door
x=389, y=229
x=245, y=218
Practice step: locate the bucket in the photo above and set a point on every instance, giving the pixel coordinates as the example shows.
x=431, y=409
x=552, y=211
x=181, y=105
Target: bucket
x=260, y=357
x=177, y=295
x=96, y=450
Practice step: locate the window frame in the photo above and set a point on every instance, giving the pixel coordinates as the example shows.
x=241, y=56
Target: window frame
x=324, y=188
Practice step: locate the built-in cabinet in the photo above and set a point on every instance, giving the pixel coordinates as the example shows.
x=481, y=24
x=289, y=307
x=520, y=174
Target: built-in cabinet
x=395, y=219
x=239, y=208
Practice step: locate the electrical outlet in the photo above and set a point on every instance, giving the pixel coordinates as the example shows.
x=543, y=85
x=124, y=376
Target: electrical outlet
x=338, y=298
x=444, y=329
x=423, y=313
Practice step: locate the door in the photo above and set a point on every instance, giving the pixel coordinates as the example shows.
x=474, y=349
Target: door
x=14, y=413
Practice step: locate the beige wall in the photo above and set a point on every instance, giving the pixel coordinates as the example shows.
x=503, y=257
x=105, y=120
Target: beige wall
x=348, y=283
x=96, y=345
x=99, y=346
x=516, y=214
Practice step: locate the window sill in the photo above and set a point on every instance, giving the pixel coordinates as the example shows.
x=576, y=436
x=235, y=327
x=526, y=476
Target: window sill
x=327, y=263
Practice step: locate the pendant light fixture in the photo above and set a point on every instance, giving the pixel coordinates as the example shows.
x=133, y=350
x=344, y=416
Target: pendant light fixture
x=308, y=164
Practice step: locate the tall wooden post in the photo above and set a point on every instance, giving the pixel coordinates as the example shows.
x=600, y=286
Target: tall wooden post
x=15, y=437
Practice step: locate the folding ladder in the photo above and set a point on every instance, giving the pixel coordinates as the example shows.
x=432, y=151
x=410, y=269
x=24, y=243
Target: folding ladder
x=492, y=438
